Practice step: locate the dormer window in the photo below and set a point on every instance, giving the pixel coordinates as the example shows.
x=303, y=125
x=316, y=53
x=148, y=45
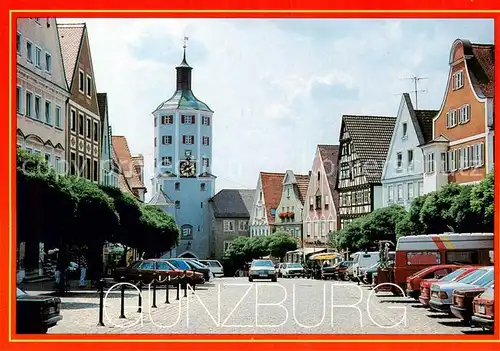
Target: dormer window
x=318, y=202
x=288, y=192
x=319, y=176
x=405, y=130
x=273, y=212
x=458, y=80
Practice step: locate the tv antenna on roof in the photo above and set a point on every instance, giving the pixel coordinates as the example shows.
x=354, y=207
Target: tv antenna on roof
x=415, y=80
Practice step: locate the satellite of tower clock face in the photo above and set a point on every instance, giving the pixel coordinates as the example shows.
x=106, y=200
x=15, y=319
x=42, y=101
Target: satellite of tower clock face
x=187, y=168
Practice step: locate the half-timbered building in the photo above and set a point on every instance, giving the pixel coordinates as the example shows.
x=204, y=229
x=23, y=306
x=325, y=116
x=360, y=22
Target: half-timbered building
x=364, y=143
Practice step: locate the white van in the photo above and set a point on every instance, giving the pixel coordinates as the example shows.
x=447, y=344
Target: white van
x=214, y=266
x=363, y=260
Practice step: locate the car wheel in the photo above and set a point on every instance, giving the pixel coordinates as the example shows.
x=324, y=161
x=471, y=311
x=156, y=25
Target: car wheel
x=274, y=280
x=250, y=279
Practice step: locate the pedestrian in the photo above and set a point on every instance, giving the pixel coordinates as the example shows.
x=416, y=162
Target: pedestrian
x=61, y=266
x=82, y=263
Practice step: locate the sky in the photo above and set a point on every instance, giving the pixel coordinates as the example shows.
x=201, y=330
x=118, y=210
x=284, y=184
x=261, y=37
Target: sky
x=278, y=87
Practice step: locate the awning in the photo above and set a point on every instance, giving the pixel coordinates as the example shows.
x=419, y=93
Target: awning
x=325, y=256
x=307, y=251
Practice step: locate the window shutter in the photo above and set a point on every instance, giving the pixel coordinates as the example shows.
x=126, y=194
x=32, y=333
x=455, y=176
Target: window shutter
x=208, y=140
x=183, y=119
x=194, y=119
x=481, y=154
x=162, y=119
x=183, y=139
x=208, y=121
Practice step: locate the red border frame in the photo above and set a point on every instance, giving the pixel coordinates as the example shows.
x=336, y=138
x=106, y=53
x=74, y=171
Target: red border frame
x=220, y=9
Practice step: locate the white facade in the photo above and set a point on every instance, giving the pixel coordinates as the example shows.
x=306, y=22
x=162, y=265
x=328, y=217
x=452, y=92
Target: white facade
x=259, y=224
x=42, y=90
x=403, y=174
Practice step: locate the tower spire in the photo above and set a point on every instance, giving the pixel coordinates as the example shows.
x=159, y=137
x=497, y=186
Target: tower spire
x=184, y=71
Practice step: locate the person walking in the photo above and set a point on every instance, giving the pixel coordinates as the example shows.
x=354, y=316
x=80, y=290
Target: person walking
x=83, y=264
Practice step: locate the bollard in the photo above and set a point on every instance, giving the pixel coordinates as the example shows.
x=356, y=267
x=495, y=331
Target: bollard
x=185, y=284
x=154, y=291
x=178, y=286
x=139, y=308
x=167, y=289
x=194, y=280
x=101, y=302
x=122, y=302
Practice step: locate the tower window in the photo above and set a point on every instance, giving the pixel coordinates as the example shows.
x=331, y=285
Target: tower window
x=177, y=204
x=167, y=119
x=166, y=161
x=202, y=187
x=188, y=139
x=206, y=140
x=166, y=139
x=188, y=119
x=205, y=121
x=205, y=162
x=177, y=186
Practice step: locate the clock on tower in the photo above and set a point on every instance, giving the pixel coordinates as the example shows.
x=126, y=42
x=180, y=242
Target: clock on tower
x=187, y=168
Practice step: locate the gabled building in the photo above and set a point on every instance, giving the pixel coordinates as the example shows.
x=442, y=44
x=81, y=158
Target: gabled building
x=230, y=215
x=461, y=149
x=83, y=134
x=403, y=174
x=130, y=177
x=41, y=90
x=109, y=169
x=267, y=198
x=291, y=205
x=364, y=143
x=320, y=210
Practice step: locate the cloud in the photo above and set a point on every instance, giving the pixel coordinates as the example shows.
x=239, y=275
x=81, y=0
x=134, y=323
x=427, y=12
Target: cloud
x=278, y=87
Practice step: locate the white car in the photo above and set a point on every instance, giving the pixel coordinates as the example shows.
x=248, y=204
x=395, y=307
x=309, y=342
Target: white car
x=287, y=270
x=214, y=266
x=262, y=269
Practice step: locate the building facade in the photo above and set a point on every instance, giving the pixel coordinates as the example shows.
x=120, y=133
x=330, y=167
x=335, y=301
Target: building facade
x=320, y=210
x=83, y=134
x=183, y=162
x=264, y=208
x=41, y=90
x=230, y=216
x=461, y=150
x=403, y=174
x=290, y=208
x=130, y=168
x=364, y=143
x=109, y=169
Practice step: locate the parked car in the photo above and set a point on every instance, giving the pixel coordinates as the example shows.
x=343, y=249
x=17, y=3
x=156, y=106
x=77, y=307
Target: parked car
x=442, y=293
x=434, y=272
x=425, y=284
x=143, y=270
x=483, y=307
x=199, y=267
x=182, y=265
x=288, y=270
x=370, y=271
x=262, y=269
x=215, y=266
x=363, y=260
x=36, y=313
x=462, y=302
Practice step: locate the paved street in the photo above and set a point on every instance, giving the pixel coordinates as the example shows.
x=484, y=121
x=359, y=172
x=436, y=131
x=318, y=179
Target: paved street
x=289, y=306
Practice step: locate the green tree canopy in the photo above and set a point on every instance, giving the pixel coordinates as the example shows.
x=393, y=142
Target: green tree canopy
x=280, y=243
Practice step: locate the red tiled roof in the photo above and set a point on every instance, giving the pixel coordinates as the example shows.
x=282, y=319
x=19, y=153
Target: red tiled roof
x=302, y=184
x=272, y=187
x=70, y=37
x=483, y=71
x=126, y=163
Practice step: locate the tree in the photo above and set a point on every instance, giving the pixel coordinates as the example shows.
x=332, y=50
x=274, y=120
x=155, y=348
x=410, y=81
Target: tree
x=381, y=225
x=280, y=243
x=482, y=202
x=159, y=232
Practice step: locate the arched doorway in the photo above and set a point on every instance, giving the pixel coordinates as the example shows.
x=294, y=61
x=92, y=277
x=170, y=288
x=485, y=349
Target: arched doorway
x=187, y=254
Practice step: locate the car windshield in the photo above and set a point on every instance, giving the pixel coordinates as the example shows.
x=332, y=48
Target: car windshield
x=452, y=275
x=211, y=263
x=469, y=278
x=488, y=293
x=19, y=292
x=197, y=264
x=486, y=279
x=262, y=264
x=294, y=265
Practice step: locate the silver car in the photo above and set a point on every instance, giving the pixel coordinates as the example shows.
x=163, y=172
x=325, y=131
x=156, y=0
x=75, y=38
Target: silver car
x=262, y=269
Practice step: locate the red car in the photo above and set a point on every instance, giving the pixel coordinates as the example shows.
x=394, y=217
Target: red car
x=462, y=303
x=425, y=285
x=483, y=307
x=433, y=272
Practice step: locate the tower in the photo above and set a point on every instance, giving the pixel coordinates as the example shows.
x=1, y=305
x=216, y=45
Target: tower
x=183, y=160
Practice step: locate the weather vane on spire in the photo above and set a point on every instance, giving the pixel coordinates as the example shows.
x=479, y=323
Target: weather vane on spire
x=185, y=42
